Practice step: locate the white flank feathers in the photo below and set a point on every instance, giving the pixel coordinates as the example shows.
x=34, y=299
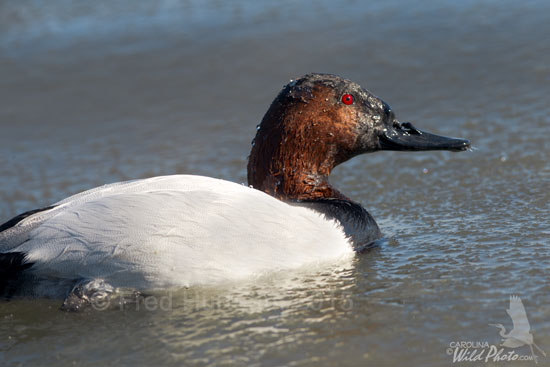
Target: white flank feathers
x=172, y=231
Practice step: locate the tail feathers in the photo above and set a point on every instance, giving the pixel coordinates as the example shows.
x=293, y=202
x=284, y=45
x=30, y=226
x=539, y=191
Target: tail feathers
x=12, y=265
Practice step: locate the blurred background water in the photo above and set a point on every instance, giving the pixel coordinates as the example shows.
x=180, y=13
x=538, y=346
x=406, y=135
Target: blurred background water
x=98, y=92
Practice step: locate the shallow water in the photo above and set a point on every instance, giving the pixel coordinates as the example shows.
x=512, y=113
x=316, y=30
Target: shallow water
x=102, y=93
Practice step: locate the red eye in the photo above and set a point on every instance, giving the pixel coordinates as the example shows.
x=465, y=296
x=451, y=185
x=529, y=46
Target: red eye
x=347, y=99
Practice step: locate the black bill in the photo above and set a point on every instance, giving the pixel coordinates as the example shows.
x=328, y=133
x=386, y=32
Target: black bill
x=404, y=136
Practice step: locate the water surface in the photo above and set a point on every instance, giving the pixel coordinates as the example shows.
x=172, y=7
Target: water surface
x=98, y=93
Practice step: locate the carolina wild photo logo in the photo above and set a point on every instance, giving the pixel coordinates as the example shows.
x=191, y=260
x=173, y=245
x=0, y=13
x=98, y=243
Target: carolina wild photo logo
x=519, y=336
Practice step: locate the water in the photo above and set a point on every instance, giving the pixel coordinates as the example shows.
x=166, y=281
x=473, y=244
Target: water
x=97, y=93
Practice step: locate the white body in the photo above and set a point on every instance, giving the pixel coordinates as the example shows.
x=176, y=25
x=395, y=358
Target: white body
x=172, y=231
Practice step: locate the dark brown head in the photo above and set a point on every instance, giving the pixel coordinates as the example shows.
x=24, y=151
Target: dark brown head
x=319, y=121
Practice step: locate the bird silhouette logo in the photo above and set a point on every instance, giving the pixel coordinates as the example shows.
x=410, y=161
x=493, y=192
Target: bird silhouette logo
x=520, y=334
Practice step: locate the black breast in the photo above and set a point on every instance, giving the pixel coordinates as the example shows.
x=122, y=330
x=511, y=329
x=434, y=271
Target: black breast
x=358, y=224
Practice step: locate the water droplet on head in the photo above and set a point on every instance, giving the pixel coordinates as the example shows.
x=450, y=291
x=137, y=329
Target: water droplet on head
x=258, y=127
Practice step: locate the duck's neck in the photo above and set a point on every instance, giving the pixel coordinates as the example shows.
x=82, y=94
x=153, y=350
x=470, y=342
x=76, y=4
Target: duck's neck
x=290, y=165
x=290, y=177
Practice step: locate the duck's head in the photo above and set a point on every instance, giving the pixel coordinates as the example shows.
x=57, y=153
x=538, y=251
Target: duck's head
x=319, y=121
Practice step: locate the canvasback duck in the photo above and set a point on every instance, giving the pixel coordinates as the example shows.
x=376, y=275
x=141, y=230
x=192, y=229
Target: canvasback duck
x=182, y=230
